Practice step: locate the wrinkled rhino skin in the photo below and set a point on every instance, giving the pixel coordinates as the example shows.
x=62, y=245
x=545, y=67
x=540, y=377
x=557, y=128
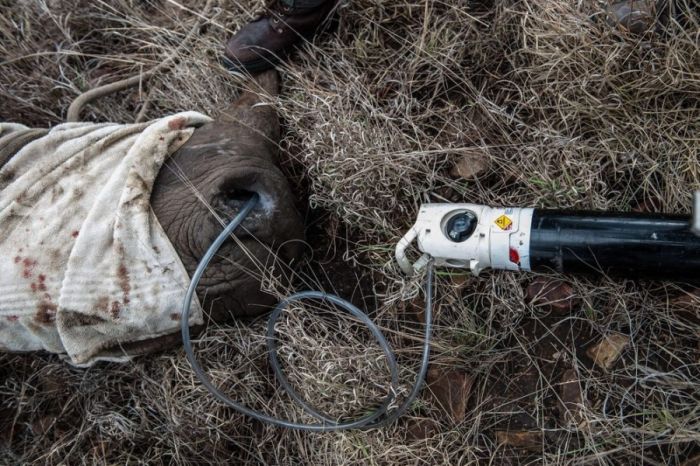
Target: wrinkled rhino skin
x=221, y=164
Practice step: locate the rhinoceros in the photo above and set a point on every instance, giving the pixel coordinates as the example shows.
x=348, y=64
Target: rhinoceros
x=102, y=224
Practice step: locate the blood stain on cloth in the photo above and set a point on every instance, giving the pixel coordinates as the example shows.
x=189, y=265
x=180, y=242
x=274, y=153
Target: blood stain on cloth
x=45, y=312
x=124, y=284
x=116, y=310
x=29, y=265
x=102, y=304
x=177, y=123
x=40, y=285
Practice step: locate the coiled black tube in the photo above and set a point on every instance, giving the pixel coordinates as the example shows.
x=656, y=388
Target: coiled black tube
x=377, y=418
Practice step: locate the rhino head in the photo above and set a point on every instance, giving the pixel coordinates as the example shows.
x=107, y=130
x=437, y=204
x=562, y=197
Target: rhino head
x=205, y=183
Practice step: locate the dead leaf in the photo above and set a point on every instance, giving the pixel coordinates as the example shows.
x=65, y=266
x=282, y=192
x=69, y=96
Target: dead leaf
x=414, y=309
x=556, y=295
x=42, y=425
x=7, y=425
x=605, y=353
x=694, y=461
x=420, y=429
x=51, y=383
x=448, y=194
x=459, y=280
x=451, y=389
x=571, y=397
x=471, y=165
x=648, y=204
x=531, y=440
x=687, y=306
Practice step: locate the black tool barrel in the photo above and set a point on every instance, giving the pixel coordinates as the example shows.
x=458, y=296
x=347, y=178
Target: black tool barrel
x=621, y=244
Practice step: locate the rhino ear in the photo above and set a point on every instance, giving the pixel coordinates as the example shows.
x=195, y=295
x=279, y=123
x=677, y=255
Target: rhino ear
x=254, y=108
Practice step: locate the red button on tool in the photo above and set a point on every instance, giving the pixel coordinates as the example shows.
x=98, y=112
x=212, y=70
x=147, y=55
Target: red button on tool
x=514, y=256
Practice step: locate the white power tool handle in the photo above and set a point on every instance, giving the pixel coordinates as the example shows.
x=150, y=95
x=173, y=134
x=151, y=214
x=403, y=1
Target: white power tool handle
x=498, y=238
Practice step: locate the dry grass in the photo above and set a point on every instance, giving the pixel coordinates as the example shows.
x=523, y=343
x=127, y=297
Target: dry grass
x=567, y=110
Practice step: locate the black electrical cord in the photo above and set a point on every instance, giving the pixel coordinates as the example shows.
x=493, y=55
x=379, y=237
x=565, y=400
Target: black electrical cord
x=377, y=418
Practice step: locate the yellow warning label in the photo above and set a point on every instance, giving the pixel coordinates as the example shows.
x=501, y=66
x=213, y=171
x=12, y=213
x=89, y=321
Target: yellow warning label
x=504, y=222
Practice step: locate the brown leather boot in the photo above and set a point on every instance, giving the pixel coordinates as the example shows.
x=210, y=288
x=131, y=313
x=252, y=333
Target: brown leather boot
x=261, y=44
x=637, y=16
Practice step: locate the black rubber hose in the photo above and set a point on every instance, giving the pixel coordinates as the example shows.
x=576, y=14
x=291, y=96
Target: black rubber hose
x=377, y=418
